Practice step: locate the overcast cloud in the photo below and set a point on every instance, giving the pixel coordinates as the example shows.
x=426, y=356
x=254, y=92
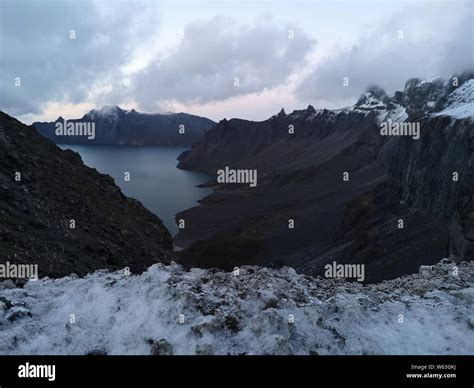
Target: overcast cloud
x=432, y=39
x=139, y=41
x=35, y=45
x=219, y=59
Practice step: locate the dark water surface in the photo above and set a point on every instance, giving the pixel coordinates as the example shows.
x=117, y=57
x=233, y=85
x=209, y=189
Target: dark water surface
x=154, y=179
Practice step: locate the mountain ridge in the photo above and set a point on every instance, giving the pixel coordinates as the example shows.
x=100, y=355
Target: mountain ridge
x=301, y=178
x=115, y=126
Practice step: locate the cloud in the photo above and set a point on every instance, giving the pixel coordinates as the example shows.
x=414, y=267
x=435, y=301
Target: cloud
x=138, y=40
x=35, y=45
x=429, y=39
x=215, y=56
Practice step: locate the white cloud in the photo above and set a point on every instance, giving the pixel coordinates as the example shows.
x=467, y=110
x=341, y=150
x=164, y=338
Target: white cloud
x=35, y=45
x=140, y=40
x=424, y=40
x=205, y=65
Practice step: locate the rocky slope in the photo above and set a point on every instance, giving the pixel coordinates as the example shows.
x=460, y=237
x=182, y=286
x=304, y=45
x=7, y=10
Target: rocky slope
x=54, y=187
x=167, y=310
x=437, y=211
x=117, y=126
x=301, y=178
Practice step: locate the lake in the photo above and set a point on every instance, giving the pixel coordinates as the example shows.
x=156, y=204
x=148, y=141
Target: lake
x=154, y=179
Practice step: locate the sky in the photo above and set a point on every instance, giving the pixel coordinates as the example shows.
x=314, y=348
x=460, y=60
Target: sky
x=221, y=59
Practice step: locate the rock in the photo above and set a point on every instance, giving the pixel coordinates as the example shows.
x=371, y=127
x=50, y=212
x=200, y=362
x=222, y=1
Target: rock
x=96, y=352
x=231, y=323
x=204, y=350
x=470, y=323
x=160, y=348
x=6, y=304
x=17, y=313
x=7, y=284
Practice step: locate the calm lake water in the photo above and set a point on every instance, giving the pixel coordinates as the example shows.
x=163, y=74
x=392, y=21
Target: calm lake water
x=154, y=179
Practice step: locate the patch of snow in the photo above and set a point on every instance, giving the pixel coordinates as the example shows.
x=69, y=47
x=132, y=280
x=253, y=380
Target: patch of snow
x=432, y=79
x=371, y=103
x=251, y=313
x=398, y=114
x=460, y=102
x=108, y=111
x=458, y=112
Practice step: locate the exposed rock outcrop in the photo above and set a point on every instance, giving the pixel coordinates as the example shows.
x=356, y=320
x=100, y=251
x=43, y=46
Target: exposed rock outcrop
x=66, y=217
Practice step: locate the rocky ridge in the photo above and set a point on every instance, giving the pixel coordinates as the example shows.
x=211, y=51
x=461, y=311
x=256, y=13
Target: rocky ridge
x=66, y=217
x=300, y=178
x=115, y=126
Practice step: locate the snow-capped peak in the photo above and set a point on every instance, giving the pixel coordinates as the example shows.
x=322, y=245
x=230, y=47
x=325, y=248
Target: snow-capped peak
x=368, y=102
x=373, y=98
x=108, y=111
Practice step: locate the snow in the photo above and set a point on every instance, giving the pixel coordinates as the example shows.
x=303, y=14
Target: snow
x=460, y=102
x=108, y=111
x=369, y=102
x=432, y=79
x=248, y=313
x=396, y=115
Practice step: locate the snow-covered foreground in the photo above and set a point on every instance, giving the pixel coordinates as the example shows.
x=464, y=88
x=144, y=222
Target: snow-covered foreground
x=167, y=310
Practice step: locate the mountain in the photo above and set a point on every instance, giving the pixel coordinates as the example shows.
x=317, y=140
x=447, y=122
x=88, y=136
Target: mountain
x=117, y=126
x=66, y=217
x=300, y=178
x=260, y=311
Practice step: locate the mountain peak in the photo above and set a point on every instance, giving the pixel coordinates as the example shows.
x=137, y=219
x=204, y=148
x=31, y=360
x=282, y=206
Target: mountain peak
x=371, y=100
x=107, y=111
x=377, y=92
x=110, y=109
x=412, y=83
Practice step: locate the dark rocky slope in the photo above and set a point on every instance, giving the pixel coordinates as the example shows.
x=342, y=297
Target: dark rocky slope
x=300, y=177
x=117, y=126
x=111, y=230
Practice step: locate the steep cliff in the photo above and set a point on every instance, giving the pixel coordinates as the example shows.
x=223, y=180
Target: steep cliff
x=65, y=217
x=426, y=207
x=391, y=178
